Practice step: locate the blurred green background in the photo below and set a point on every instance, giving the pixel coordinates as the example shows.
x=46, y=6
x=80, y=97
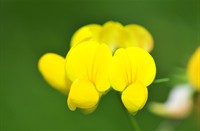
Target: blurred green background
x=32, y=28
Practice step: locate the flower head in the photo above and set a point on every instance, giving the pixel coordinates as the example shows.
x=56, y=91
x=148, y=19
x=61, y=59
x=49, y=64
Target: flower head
x=89, y=69
x=88, y=65
x=194, y=69
x=132, y=70
x=115, y=35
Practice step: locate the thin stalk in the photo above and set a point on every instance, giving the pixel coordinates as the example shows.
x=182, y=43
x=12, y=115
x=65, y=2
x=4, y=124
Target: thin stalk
x=162, y=80
x=131, y=118
x=134, y=123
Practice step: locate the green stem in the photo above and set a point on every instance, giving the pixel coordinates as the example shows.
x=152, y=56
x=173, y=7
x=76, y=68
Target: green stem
x=134, y=123
x=131, y=118
x=161, y=80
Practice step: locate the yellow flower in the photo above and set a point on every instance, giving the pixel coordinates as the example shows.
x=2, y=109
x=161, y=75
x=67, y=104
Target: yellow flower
x=115, y=35
x=88, y=66
x=132, y=70
x=52, y=68
x=194, y=69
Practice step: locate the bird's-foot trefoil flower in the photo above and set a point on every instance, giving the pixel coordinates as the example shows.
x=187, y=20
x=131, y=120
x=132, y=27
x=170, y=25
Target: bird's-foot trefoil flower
x=52, y=68
x=89, y=69
x=132, y=70
x=88, y=66
x=115, y=35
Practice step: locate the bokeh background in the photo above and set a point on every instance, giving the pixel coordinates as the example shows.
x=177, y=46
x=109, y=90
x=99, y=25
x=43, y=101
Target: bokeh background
x=33, y=27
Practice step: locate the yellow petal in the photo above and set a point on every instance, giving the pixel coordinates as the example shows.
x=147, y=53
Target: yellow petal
x=113, y=34
x=101, y=68
x=82, y=95
x=90, y=60
x=130, y=65
x=121, y=70
x=79, y=60
x=52, y=68
x=146, y=68
x=88, y=32
x=134, y=97
x=139, y=37
x=194, y=69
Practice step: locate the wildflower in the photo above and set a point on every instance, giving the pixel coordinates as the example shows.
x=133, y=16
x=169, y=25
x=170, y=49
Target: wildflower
x=115, y=35
x=194, y=69
x=52, y=68
x=84, y=74
x=132, y=70
x=87, y=66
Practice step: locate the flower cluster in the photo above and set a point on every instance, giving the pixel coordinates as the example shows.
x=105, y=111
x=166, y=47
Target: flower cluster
x=102, y=57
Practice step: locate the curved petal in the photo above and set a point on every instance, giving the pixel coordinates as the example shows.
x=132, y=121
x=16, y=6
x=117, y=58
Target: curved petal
x=52, y=68
x=146, y=68
x=134, y=97
x=121, y=70
x=194, y=69
x=140, y=37
x=79, y=60
x=90, y=60
x=82, y=95
x=88, y=32
x=130, y=65
x=101, y=68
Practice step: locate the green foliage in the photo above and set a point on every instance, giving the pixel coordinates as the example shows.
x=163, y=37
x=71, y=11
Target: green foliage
x=32, y=28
